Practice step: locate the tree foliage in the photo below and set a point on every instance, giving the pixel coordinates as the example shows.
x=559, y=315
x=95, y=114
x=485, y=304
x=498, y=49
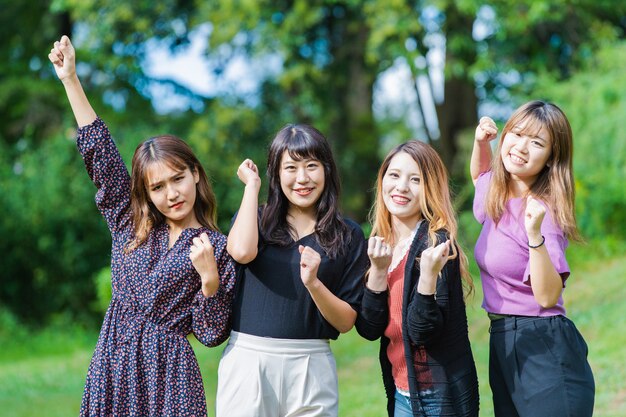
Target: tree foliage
x=316, y=62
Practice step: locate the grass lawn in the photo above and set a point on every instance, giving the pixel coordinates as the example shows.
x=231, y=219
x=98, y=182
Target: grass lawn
x=43, y=374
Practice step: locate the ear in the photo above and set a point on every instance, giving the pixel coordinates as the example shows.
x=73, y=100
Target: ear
x=196, y=175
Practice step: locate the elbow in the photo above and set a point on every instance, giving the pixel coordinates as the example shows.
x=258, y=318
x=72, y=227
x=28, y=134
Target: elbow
x=241, y=255
x=547, y=302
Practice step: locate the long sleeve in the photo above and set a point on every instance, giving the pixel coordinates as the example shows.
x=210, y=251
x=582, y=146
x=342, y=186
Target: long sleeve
x=373, y=315
x=107, y=171
x=427, y=314
x=211, y=316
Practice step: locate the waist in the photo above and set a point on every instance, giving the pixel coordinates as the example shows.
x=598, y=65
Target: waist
x=279, y=346
x=505, y=322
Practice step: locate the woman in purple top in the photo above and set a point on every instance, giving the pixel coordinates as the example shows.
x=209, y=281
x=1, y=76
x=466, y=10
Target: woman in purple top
x=525, y=201
x=170, y=271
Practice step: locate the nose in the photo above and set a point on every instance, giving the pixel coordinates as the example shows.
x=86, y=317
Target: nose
x=402, y=184
x=172, y=193
x=301, y=176
x=522, y=144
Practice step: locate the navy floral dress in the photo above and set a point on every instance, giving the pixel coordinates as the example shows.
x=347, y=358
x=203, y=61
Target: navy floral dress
x=143, y=364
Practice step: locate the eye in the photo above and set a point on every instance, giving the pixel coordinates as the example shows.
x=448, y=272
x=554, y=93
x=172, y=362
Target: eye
x=289, y=167
x=416, y=180
x=157, y=187
x=393, y=175
x=537, y=143
x=179, y=178
x=312, y=165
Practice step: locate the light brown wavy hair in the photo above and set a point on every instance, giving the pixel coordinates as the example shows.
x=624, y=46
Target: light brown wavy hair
x=555, y=182
x=434, y=200
x=174, y=152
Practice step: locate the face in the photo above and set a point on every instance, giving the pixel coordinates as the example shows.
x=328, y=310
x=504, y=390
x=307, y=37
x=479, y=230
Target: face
x=173, y=192
x=524, y=155
x=302, y=181
x=401, y=188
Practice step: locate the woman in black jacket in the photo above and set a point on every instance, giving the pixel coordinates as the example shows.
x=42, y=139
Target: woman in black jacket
x=414, y=298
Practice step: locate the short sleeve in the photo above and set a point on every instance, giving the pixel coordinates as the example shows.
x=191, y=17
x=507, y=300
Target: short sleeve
x=480, y=196
x=352, y=280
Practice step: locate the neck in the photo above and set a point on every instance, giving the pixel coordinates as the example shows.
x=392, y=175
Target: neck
x=303, y=221
x=402, y=228
x=519, y=187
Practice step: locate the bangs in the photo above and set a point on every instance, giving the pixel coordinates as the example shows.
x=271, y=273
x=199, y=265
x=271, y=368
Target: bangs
x=530, y=125
x=302, y=146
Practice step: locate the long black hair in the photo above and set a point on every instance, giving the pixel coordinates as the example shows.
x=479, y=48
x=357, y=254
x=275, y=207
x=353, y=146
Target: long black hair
x=302, y=141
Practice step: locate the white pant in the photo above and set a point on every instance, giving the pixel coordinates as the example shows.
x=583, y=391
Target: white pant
x=268, y=377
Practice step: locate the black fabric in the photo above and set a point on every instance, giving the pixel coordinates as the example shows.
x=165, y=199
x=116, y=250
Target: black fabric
x=436, y=343
x=538, y=367
x=271, y=300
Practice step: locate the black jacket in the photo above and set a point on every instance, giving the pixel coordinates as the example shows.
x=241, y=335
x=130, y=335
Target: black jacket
x=434, y=331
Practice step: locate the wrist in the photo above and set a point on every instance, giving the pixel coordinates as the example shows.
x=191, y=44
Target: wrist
x=536, y=242
x=254, y=185
x=70, y=79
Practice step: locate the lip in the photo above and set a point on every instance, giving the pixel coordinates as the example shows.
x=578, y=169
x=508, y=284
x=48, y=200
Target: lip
x=517, y=159
x=177, y=205
x=400, y=199
x=303, y=192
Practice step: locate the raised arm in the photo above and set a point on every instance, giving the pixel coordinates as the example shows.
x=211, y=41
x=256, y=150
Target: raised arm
x=486, y=131
x=63, y=57
x=243, y=238
x=545, y=281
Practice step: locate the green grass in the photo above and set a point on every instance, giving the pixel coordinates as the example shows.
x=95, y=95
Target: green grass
x=45, y=371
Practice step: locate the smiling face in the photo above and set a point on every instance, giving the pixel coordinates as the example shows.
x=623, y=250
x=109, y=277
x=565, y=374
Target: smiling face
x=525, y=151
x=173, y=193
x=401, y=188
x=301, y=181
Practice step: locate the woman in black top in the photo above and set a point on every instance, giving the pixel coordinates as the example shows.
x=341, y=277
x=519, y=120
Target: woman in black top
x=414, y=296
x=302, y=266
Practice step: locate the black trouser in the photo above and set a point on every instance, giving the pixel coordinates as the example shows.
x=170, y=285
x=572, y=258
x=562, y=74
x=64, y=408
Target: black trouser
x=538, y=367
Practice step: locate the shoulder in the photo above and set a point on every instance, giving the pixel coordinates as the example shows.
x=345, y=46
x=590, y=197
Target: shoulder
x=354, y=228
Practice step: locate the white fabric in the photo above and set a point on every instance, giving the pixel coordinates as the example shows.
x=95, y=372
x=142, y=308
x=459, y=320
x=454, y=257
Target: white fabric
x=268, y=377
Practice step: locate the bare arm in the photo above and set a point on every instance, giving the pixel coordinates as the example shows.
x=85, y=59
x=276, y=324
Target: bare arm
x=63, y=57
x=545, y=281
x=337, y=312
x=243, y=238
x=486, y=131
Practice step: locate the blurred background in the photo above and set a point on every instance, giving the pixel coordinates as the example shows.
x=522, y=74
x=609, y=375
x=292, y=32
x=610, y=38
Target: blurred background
x=225, y=75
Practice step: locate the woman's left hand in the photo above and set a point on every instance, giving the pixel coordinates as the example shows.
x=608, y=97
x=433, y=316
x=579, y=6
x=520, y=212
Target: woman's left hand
x=533, y=217
x=432, y=261
x=203, y=259
x=309, y=263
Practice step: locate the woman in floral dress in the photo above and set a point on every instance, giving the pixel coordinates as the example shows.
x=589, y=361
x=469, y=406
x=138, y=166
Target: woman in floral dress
x=171, y=274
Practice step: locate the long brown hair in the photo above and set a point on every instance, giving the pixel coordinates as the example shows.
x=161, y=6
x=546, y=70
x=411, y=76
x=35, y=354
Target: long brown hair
x=434, y=199
x=555, y=182
x=302, y=141
x=177, y=154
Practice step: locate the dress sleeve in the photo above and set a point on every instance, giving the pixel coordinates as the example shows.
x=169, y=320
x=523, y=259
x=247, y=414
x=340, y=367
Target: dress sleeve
x=107, y=171
x=427, y=314
x=480, y=195
x=373, y=315
x=211, y=316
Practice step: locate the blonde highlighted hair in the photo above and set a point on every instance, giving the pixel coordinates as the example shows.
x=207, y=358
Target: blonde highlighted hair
x=434, y=200
x=555, y=183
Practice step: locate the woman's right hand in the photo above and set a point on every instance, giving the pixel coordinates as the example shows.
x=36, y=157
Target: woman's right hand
x=486, y=131
x=248, y=173
x=63, y=57
x=379, y=252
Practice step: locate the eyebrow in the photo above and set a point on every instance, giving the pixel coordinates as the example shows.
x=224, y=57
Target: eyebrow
x=398, y=169
x=176, y=174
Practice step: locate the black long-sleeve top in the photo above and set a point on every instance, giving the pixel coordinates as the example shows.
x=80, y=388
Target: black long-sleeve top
x=435, y=337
